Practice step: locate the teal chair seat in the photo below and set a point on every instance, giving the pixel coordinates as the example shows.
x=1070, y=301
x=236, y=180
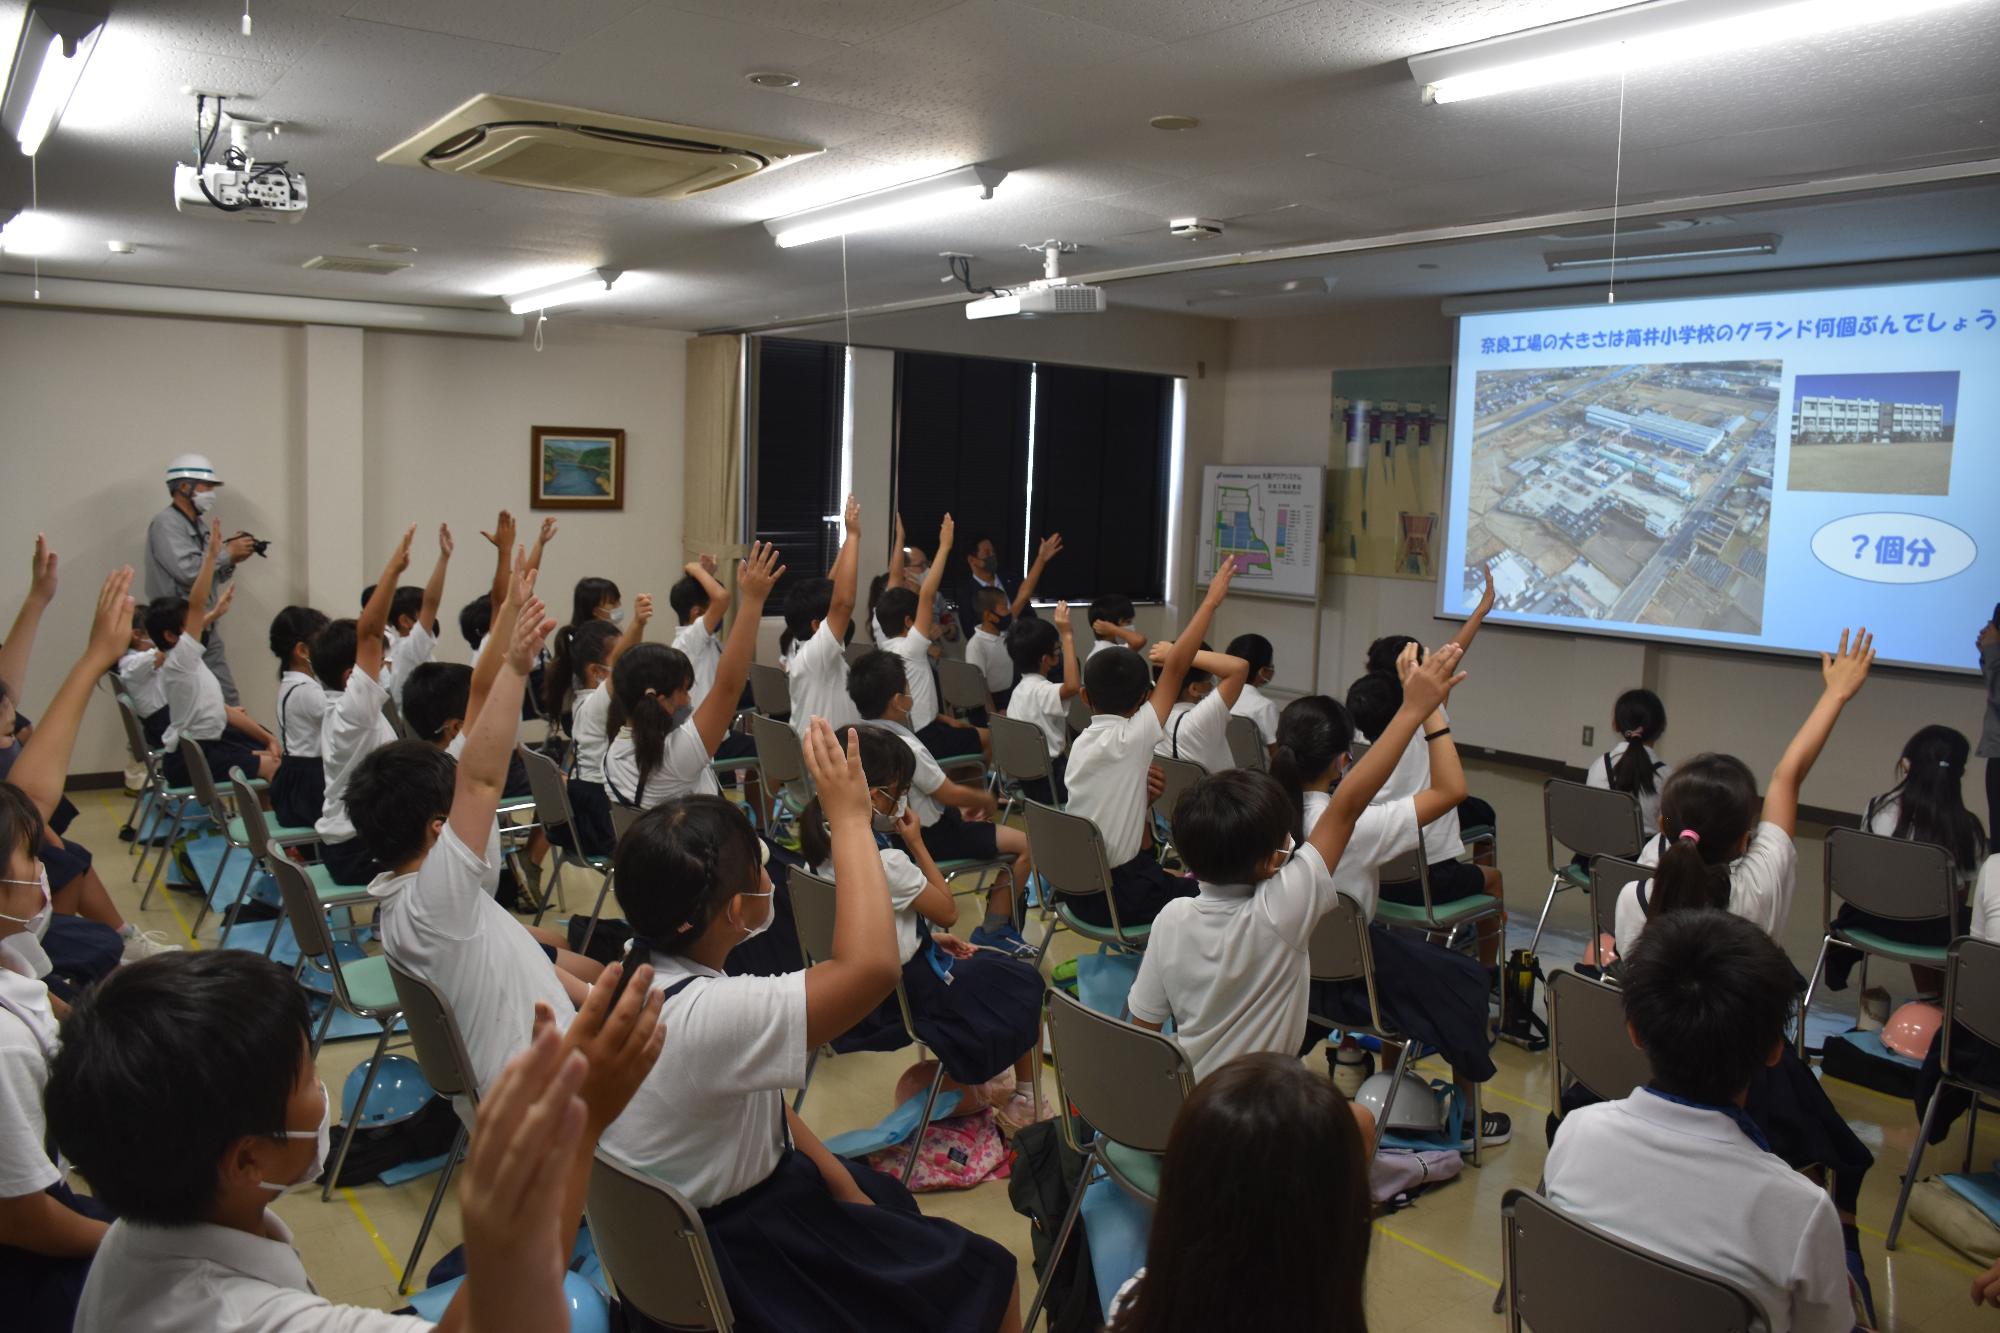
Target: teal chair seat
x=1443, y=914
x=327, y=891
x=1091, y=930
x=1575, y=876
x=1924, y=955
x=277, y=832
x=1135, y=1171
x=369, y=984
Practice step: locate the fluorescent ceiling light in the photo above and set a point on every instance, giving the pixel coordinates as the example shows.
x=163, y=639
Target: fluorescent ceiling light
x=55, y=45
x=899, y=203
x=589, y=287
x=1736, y=247
x=1641, y=36
x=29, y=233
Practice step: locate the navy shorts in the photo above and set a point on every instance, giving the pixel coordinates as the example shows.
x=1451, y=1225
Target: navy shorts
x=956, y=838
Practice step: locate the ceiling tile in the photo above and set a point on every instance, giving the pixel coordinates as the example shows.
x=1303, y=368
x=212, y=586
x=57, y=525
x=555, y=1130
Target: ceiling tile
x=849, y=22
x=533, y=23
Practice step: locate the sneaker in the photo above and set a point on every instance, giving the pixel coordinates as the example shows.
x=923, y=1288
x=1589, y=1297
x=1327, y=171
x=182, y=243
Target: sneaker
x=1494, y=1129
x=145, y=943
x=1004, y=938
x=1018, y=1112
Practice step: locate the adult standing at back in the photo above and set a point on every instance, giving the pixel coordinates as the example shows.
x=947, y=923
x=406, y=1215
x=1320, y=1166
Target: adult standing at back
x=175, y=541
x=1989, y=731
x=982, y=570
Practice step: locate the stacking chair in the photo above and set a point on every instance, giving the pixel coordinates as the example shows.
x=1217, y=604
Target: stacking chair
x=235, y=831
x=1971, y=1001
x=783, y=760
x=552, y=811
x=1590, y=821
x=1886, y=877
x=1246, y=744
x=1068, y=852
x=655, y=1249
x=1126, y=1082
x=263, y=850
x=1433, y=917
x=1588, y=1041
x=136, y=747
x=155, y=795
x=770, y=690
x=1181, y=775
x=1079, y=713
x=1021, y=754
x=1608, y=877
x=361, y=987
x=1563, y=1276
x=448, y=1069
x=394, y=716
x=962, y=685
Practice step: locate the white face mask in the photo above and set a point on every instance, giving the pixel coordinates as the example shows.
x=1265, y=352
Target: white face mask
x=203, y=501
x=616, y=615
x=323, y=1137
x=886, y=823
x=38, y=924
x=770, y=915
x=23, y=949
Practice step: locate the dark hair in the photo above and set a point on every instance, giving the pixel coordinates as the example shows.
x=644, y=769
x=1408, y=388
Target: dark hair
x=408, y=601
x=1029, y=641
x=1382, y=654
x=1930, y=802
x=1641, y=719
x=1373, y=701
x=895, y=607
x=1227, y=824
x=677, y=865
x=291, y=627
x=436, y=693
x=164, y=616
x=1115, y=680
x=395, y=793
x=333, y=652
x=1265, y=1180
x=576, y=647
x=209, y=1041
x=874, y=681
x=475, y=619
x=876, y=587
x=591, y=593
x=1708, y=994
x=1113, y=606
x=1313, y=732
x=885, y=761
x=806, y=602
x=138, y=617
x=989, y=599
x=979, y=539
x=1714, y=797
x=1194, y=676
x=646, y=674
x=688, y=599
x=21, y=825
x=1252, y=648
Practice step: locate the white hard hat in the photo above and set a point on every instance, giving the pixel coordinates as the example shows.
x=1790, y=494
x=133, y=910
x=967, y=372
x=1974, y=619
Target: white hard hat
x=192, y=467
x=1416, y=1106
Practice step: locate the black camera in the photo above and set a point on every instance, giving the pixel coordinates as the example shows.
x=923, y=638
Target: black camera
x=258, y=545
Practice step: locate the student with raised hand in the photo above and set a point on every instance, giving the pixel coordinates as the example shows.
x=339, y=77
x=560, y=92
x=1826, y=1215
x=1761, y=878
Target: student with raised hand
x=1111, y=619
x=413, y=631
x=19, y=649
x=907, y=623
x=819, y=621
x=1197, y=727
x=139, y=672
x=228, y=736
x=1038, y=648
x=594, y=600
x=593, y=652
x=795, y=1240
x=48, y=1233
x=1255, y=650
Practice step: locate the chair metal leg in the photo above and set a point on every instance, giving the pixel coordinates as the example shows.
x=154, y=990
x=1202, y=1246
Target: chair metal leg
x=1062, y=1239
x=1916, y=1159
x=1396, y=1082
x=1478, y=1122
x=812, y=1063
x=451, y=1157
x=597, y=911
x=325, y=1019
x=166, y=853
x=923, y=1126
x=1812, y=985
x=1555, y=887
x=235, y=908
x=360, y=1105
x=1971, y=1132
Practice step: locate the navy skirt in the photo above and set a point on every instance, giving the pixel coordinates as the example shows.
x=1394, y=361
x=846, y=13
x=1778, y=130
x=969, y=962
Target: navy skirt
x=65, y=861
x=349, y=862
x=1974, y=1058
x=1142, y=886
x=1426, y=992
x=592, y=833
x=978, y=1024
x=298, y=790
x=39, y=1293
x=1805, y=1129
x=793, y=1257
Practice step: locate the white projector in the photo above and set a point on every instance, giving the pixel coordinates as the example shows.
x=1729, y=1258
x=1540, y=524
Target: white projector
x=1039, y=299
x=266, y=193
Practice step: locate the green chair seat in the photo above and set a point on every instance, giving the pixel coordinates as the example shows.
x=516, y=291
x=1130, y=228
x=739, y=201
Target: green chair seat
x=1924, y=955
x=275, y=831
x=1442, y=914
x=1578, y=877
x=1091, y=930
x=327, y=891
x=1477, y=833
x=368, y=984
x=1135, y=1171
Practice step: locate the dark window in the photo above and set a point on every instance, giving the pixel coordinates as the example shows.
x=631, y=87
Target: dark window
x=800, y=388
x=962, y=449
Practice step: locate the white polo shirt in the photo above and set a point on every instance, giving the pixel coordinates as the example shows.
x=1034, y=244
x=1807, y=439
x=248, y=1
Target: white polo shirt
x=988, y=651
x=301, y=711
x=1599, y=776
x=213, y=1279
x=703, y=650
x=407, y=652
x=1261, y=709
x=1229, y=965
x=682, y=771
x=142, y=680
x=353, y=729
x=28, y=1042
x=1986, y=901
x=589, y=721
x=442, y=924
x=1199, y=731
x=1039, y=700
x=1686, y=1182
x=915, y=650
x=906, y=885
x=1382, y=833
x=929, y=775
x=710, y=1120
x=1412, y=775
x=1107, y=778
x=818, y=674
x=1761, y=882
x=195, y=706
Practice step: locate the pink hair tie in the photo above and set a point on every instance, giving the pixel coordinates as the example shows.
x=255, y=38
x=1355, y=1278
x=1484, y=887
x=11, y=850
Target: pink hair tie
x=1689, y=835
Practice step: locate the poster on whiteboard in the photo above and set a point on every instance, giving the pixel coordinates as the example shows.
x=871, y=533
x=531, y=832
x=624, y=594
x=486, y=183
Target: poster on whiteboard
x=1267, y=519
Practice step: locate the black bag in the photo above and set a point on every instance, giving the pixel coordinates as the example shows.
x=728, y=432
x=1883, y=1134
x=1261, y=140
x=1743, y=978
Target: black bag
x=607, y=942
x=1518, y=976
x=1044, y=1176
x=428, y=1133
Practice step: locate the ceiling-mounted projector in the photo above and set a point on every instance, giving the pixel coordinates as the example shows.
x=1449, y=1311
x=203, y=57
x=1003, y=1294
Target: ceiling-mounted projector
x=1050, y=294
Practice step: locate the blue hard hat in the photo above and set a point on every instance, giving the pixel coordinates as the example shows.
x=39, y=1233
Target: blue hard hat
x=400, y=1092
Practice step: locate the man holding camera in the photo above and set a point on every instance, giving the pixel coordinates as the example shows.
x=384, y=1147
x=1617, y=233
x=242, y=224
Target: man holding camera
x=174, y=544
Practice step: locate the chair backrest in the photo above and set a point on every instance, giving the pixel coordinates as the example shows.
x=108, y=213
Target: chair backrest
x=863, y=645
x=1079, y=714
x=1338, y=948
x=394, y=715
x=623, y=817
x=302, y=910
x=1608, y=877
x=812, y=912
x=779, y=753
x=1126, y=1081
x=201, y=779
x=135, y=735
x=434, y=1032
x=1890, y=877
x=1971, y=993
x=962, y=685
x=1564, y=1275
x=546, y=784
x=770, y=690
x=1411, y=865
x=1181, y=774
x=655, y=1249
x=1588, y=1040
x=1246, y=744
x=255, y=832
x=1591, y=820
x=1019, y=749
x=1068, y=850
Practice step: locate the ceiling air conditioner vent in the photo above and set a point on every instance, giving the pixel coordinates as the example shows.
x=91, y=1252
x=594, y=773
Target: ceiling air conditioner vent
x=548, y=147
x=379, y=268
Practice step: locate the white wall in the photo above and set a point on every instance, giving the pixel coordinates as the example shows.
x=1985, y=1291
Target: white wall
x=404, y=428
x=1532, y=691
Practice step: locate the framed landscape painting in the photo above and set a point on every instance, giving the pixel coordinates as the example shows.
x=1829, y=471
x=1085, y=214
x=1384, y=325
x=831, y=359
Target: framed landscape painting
x=577, y=467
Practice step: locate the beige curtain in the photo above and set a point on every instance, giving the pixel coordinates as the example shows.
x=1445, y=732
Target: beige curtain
x=712, y=495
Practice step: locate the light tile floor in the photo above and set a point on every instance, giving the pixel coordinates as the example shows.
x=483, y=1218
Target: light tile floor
x=1433, y=1267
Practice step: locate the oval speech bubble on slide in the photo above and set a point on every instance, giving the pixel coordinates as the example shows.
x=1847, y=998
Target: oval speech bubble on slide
x=1894, y=548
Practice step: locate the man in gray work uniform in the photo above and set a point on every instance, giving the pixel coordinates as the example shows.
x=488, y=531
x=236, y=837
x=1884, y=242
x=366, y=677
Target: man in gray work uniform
x=175, y=541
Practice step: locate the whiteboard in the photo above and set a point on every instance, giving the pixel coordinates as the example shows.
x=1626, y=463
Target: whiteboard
x=1268, y=519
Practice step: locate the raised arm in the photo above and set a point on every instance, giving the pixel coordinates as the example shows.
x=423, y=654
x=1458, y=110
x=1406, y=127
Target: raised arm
x=20, y=645
x=894, y=578
x=482, y=770
x=1470, y=629
x=434, y=590
x=502, y=538
x=1174, y=669
x=754, y=577
x=374, y=622
x=486, y=668
x=220, y=609
x=1050, y=548
x=840, y=610
x=845, y=988
x=1072, y=681
x=933, y=580
x=43, y=767
x=1844, y=672
x=1231, y=673
x=634, y=631
x=702, y=571
x=196, y=618
x=1424, y=692
x=542, y=540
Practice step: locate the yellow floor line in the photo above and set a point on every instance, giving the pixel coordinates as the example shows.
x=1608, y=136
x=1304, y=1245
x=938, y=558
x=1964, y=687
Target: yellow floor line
x=368, y=1225
x=1957, y=1261
x=1430, y=1253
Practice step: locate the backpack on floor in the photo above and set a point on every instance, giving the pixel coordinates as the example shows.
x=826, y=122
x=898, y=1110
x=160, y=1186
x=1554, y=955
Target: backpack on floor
x=1518, y=978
